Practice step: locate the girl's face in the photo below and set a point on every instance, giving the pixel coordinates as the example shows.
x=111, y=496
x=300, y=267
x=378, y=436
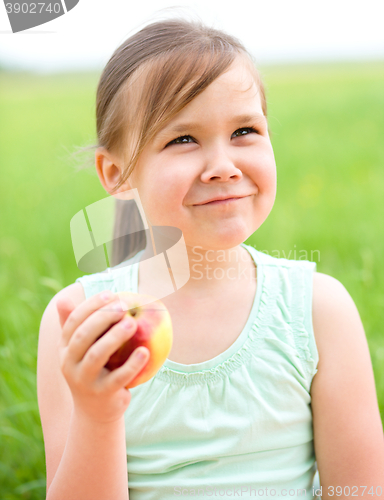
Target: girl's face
x=218, y=155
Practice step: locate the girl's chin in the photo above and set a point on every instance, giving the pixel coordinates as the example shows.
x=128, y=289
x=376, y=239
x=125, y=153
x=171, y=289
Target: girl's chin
x=223, y=243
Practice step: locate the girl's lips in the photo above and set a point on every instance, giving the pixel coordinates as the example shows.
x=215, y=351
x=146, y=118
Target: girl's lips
x=222, y=202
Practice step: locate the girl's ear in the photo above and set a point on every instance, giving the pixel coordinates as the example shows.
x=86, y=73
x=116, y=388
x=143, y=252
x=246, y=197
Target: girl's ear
x=108, y=169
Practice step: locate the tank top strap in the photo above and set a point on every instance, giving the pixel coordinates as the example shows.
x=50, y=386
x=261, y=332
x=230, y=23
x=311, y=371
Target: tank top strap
x=117, y=279
x=287, y=307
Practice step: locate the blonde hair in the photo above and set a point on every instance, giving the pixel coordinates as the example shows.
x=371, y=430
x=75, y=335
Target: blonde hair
x=149, y=78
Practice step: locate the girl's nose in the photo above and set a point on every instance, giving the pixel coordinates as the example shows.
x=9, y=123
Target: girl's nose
x=218, y=165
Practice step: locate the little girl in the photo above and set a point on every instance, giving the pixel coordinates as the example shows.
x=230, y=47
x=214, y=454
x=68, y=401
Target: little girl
x=268, y=389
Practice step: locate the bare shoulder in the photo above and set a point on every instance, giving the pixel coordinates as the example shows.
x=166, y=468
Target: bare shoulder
x=348, y=433
x=54, y=396
x=75, y=292
x=331, y=300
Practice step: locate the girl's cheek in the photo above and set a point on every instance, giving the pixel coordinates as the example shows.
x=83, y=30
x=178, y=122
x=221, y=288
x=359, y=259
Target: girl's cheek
x=263, y=166
x=267, y=163
x=177, y=181
x=265, y=177
x=270, y=178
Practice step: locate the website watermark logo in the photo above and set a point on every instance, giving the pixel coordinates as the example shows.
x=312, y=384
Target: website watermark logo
x=112, y=231
x=25, y=14
x=238, y=491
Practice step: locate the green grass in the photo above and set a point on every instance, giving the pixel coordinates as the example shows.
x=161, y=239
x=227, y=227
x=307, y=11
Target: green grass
x=327, y=124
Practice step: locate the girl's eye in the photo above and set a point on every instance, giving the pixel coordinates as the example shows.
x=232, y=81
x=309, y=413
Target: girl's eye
x=183, y=139
x=179, y=140
x=246, y=128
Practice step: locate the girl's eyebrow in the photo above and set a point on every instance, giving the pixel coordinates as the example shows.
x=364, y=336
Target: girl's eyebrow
x=240, y=119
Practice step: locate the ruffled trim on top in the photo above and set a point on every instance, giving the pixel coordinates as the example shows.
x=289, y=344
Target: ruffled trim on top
x=237, y=359
x=266, y=309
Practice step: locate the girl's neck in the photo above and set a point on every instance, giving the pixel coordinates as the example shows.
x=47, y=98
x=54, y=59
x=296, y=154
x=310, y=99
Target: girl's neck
x=210, y=271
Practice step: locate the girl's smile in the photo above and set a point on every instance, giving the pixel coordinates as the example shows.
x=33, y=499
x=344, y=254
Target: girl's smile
x=225, y=201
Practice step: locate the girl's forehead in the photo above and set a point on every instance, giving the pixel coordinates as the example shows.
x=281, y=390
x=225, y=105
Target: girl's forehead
x=244, y=67
x=229, y=90
x=238, y=78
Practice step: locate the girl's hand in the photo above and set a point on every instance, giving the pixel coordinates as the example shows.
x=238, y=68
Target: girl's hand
x=98, y=393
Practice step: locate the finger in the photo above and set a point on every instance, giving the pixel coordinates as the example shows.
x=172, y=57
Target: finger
x=82, y=311
x=99, y=353
x=64, y=307
x=91, y=329
x=123, y=375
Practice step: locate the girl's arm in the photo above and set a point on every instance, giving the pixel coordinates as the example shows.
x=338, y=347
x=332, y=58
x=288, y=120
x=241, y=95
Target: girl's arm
x=348, y=432
x=85, y=457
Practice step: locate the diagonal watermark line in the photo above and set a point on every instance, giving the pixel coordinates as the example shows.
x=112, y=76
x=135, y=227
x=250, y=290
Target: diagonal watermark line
x=64, y=6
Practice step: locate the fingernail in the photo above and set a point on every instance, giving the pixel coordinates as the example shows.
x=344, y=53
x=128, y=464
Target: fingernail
x=117, y=307
x=106, y=296
x=127, y=323
x=140, y=355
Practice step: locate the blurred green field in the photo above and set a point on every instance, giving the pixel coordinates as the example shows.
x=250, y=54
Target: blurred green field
x=327, y=124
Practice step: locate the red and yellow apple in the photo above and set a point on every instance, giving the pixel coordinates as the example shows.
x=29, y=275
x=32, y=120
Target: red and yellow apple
x=154, y=331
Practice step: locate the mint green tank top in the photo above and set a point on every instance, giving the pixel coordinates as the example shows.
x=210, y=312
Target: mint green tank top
x=237, y=425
